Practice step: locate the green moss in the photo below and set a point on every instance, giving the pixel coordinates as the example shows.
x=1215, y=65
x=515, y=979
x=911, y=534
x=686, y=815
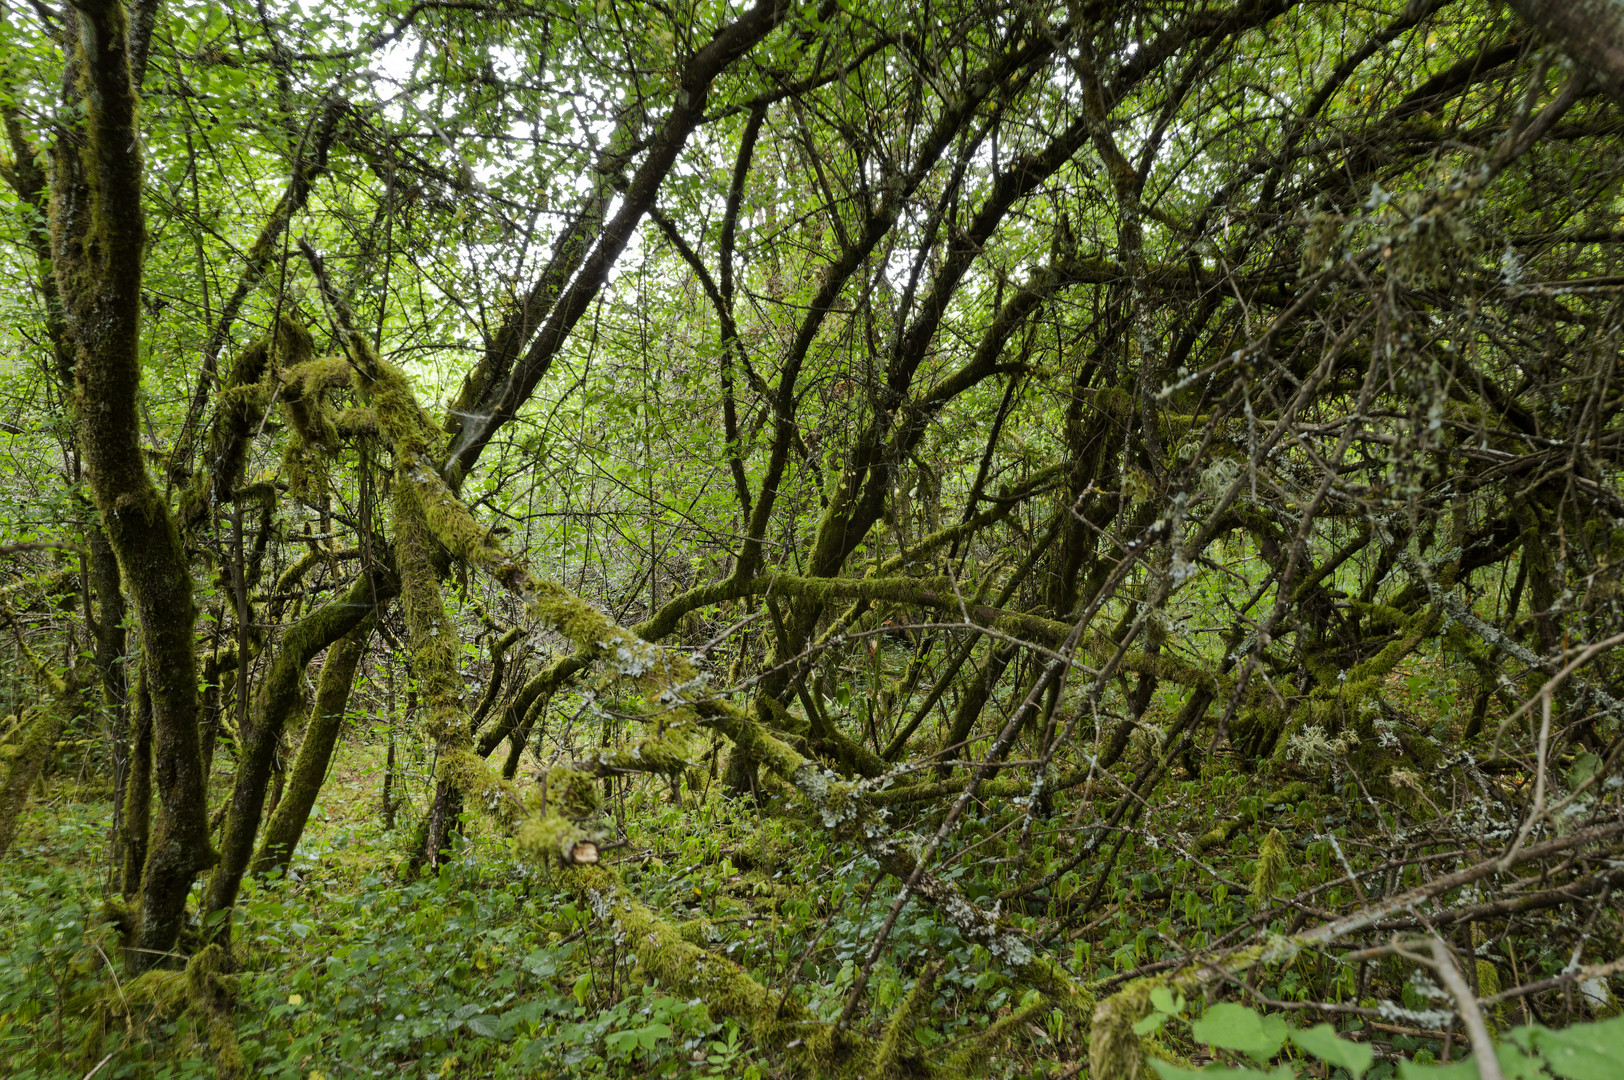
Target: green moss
x=554, y=836
x=430, y=631
x=668, y=753
x=897, y=1043
x=1224, y=831
x=42, y=726
x=573, y=793
x=204, y=988
x=212, y=994
x=728, y=990
x=1114, y=1050
x=1271, y=867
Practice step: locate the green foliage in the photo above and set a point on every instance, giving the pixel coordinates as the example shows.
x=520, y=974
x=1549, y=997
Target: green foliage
x=1158, y=466
x=1581, y=1052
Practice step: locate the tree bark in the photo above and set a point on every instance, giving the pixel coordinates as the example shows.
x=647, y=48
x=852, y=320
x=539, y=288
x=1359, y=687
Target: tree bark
x=133, y=811
x=274, y=701
x=1591, y=31
x=287, y=822
x=98, y=240
x=33, y=750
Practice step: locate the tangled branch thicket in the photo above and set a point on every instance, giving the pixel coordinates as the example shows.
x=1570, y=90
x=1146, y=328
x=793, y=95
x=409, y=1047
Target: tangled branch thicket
x=1135, y=486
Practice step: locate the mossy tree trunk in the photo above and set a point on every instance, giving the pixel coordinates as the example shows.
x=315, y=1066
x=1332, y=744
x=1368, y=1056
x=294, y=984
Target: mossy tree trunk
x=132, y=810
x=275, y=698
x=287, y=822
x=41, y=728
x=98, y=238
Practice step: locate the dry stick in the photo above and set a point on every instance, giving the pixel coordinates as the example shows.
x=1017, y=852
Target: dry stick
x=1584, y=974
x=1589, y=653
x=1495, y=639
x=1193, y=977
x=1538, y=809
x=1443, y=962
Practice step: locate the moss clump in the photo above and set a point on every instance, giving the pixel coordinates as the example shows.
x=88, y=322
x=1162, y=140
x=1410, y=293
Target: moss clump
x=897, y=1044
x=1114, y=1050
x=304, y=399
x=549, y=836
x=727, y=989
x=431, y=633
x=1225, y=831
x=668, y=753
x=204, y=988
x=1271, y=867
x=212, y=994
x=1488, y=984
x=573, y=793
x=42, y=726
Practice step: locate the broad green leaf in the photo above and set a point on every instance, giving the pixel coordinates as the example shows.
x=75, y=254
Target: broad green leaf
x=1516, y=1065
x=1584, y=1051
x=1322, y=1041
x=1235, y=1027
x=541, y=964
x=620, y=1042
x=482, y=1025
x=1583, y=768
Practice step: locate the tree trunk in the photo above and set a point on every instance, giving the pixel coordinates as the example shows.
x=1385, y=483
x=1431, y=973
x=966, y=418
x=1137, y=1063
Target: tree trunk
x=110, y=645
x=1591, y=31
x=33, y=749
x=274, y=700
x=287, y=821
x=136, y=809
x=98, y=238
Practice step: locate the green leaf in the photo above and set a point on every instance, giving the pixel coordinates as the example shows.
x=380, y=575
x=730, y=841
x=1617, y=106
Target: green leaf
x=1235, y=1027
x=1516, y=1065
x=1166, y=1001
x=541, y=964
x=482, y=1025
x=1322, y=1041
x=1584, y=1051
x=1583, y=768
x=1152, y=1022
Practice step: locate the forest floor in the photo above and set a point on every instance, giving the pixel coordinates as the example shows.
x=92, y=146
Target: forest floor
x=490, y=967
x=484, y=969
